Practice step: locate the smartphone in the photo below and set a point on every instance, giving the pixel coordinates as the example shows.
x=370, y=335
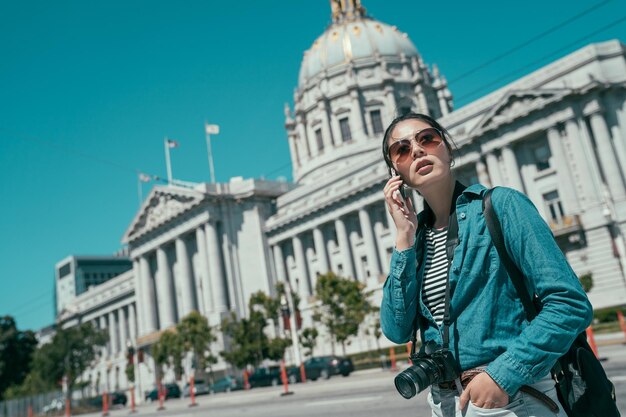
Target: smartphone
x=402, y=188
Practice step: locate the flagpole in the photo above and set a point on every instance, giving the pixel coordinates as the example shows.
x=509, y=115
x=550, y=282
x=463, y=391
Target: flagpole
x=207, y=129
x=139, y=189
x=168, y=162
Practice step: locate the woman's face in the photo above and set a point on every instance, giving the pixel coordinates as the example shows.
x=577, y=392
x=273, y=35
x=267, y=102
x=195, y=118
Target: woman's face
x=419, y=154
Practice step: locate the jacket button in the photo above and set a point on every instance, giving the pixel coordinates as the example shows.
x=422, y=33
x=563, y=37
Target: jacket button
x=462, y=216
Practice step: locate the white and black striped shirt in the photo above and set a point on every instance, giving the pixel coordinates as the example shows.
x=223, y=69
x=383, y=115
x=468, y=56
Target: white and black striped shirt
x=435, y=272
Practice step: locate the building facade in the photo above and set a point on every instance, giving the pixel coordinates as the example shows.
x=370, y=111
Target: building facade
x=557, y=134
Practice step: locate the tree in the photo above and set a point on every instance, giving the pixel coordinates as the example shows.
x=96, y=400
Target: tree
x=196, y=336
x=168, y=350
x=250, y=345
x=308, y=339
x=586, y=280
x=343, y=307
x=16, y=352
x=69, y=354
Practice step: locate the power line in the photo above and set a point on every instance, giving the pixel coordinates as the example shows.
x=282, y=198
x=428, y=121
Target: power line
x=528, y=42
x=27, y=303
x=532, y=64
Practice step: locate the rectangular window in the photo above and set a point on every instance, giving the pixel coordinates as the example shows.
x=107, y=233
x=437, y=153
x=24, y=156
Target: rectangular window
x=542, y=154
x=554, y=207
x=65, y=270
x=377, y=122
x=319, y=139
x=344, y=126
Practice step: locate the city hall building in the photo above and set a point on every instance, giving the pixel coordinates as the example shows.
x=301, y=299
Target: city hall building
x=557, y=134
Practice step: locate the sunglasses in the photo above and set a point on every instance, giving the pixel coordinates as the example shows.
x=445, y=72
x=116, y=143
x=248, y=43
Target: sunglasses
x=428, y=139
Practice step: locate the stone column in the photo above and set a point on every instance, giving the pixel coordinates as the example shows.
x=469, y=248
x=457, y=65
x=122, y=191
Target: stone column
x=107, y=348
x=483, y=175
x=382, y=254
x=113, y=334
x=567, y=191
x=512, y=168
x=132, y=329
x=185, y=278
x=202, y=275
x=494, y=169
x=320, y=251
x=279, y=261
x=344, y=248
x=370, y=243
x=149, y=308
x=391, y=104
x=331, y=137
x=164, y=290
x=607, y=156
x=303, y=274
x=218, y=285
x=295, y=157
x=123, y=332
x=140, y=291
x=357, y=115
x=585, y=164
x=529, y=173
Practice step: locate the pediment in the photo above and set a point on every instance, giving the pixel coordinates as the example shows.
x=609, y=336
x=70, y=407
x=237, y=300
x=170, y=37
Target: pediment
x=161, y=206
x=516, y=104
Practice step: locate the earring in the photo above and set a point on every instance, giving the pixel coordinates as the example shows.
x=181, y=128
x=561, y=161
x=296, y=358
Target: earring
x=452, y=163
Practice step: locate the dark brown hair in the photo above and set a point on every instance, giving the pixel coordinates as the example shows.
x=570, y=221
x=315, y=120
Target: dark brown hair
x=414, y=116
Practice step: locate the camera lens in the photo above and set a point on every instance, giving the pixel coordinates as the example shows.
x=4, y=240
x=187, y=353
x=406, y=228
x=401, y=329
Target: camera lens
x=416, y=378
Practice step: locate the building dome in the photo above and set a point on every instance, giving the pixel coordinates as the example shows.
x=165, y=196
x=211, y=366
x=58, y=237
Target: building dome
x=353, y=37
x=356, y=77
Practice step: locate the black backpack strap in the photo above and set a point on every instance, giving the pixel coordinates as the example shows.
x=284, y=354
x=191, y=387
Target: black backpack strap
x=495, y=230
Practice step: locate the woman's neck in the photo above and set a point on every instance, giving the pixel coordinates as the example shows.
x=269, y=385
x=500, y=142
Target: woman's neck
x=439, y=200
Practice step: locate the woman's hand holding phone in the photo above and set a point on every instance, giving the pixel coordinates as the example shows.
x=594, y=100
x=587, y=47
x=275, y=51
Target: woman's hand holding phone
x=402, y=212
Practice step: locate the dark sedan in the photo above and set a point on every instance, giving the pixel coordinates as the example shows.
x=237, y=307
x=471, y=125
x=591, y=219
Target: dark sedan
x=227, y=384
x=326, y=366
x=171, y=391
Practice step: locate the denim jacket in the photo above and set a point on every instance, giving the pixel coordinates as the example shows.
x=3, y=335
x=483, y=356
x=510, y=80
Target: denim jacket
x=488, y=322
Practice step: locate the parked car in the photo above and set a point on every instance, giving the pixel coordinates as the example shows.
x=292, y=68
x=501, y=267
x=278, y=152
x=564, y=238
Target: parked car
x=171, y=391
x=200, y=387
x=264, y=377
x=227, y=384
x=326, y=366
x=115, y=398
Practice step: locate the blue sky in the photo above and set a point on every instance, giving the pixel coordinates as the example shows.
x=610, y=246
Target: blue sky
x=88, y=91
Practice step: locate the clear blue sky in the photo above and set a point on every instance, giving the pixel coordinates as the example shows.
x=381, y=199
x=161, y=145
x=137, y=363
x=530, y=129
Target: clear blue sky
x=88, y=90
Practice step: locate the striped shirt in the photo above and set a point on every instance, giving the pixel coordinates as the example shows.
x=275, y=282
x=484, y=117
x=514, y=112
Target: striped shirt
x=435, y=272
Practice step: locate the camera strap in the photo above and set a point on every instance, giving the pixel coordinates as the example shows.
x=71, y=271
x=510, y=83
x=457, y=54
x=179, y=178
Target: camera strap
x=452, y=241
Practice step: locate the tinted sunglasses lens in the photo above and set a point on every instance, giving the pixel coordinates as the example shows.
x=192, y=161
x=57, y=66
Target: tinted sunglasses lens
x=429, y=138
x=400, y=150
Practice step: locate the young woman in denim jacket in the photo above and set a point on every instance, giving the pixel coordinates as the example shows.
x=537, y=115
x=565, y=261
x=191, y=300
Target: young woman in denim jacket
x=488, y=327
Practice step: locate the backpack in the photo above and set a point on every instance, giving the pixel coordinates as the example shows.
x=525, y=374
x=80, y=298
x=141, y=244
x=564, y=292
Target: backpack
x=582, y=386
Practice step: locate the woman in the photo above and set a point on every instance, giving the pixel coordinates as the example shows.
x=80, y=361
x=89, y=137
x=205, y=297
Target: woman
x=488, y=329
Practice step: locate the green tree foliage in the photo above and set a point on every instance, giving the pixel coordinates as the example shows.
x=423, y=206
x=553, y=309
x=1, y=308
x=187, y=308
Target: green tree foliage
x=69, y=354
x=16, y=351
x=586, y=280
x=249, y=344
x=308, y=339
x=343, y=307
x=196, y=336
x=168, y=351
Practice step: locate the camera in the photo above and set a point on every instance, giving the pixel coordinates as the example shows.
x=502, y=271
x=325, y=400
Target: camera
x=427, y=369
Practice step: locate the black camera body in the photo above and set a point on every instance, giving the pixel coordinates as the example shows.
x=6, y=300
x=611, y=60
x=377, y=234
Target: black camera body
x=427, y=369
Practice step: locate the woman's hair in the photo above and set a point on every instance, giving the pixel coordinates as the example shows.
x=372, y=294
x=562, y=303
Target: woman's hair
x=415, y=116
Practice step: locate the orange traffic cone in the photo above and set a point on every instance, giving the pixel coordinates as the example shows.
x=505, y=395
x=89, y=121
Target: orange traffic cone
x=592, y=341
